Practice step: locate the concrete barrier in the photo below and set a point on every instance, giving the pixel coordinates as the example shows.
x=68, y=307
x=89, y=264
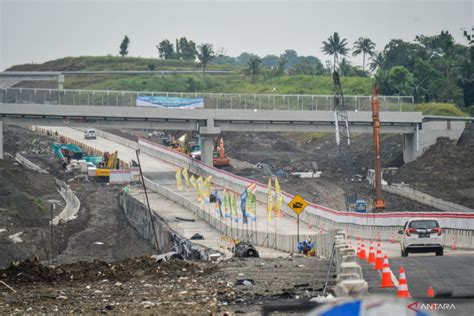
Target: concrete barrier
x=28, y=164
x=73, y=204
x=168, y=239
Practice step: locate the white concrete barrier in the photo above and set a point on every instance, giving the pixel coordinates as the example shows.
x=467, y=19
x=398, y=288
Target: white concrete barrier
x=73, y=204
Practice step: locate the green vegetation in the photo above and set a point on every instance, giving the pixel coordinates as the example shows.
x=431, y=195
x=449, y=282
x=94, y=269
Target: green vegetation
x=124, y=46
x=439, y=109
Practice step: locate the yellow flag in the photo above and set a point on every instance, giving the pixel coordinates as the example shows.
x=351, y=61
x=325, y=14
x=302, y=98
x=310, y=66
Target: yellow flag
x=278, y=199
x=192, y=180
x=179, y=181
x=186, y=176
x=207, y=188
x=269, y=200
x=199, y=188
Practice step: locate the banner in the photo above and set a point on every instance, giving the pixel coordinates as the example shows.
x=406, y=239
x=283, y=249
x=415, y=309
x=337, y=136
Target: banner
x=269, y=200
x=199, y=188
x=235, y=213
x=243, y=201
x=251, y=203
x=207, y=189
x=278, y=199
x=186, y=177
x=192, y=180
x=219, y=205
x=179, y=181
x=227, y=210
x=170, y=102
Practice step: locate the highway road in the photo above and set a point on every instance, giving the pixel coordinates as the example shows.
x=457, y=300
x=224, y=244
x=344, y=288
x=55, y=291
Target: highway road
x=163, y=173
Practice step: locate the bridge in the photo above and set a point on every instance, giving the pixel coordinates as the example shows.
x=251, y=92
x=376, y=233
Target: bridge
x=419, y=132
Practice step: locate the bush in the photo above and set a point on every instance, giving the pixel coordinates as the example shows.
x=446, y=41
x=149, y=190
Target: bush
x=440, y=109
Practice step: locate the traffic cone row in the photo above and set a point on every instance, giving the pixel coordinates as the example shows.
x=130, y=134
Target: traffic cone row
x=371, y=258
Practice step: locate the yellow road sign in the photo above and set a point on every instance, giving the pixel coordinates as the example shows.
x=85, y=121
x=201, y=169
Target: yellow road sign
x=298, y=204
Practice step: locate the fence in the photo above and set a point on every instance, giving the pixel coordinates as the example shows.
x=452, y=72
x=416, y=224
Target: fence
x=459, y=226
x=211, y=100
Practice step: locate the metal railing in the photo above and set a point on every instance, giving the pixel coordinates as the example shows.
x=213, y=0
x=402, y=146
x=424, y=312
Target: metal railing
x=237, y=101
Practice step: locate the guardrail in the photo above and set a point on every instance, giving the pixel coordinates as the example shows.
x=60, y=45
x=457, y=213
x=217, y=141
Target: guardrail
x=459, y=226
x=238, y=101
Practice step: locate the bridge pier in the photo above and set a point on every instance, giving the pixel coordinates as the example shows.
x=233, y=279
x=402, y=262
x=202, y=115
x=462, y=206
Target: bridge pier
x=415, y=144
x=208, y=135
x=1, y=139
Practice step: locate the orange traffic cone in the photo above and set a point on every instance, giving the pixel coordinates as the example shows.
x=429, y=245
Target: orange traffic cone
x=453, y=244
x=392, y=238
x=386, y=274
x=371, y=258
x=310, y=226
x=378, y=258
x=358, y=237
x=430, y=292
x=378, y=236
x=321, y=229
x=363, y=255
x=358, y=249
x=402, y=284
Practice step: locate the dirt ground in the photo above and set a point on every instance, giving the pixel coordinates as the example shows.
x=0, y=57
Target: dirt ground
x=139, y=285
x=100, y=231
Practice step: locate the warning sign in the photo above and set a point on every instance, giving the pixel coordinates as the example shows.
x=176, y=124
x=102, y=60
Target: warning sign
x=298, y=204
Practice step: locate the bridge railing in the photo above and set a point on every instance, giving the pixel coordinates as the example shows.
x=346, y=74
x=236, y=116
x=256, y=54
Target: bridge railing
x=237, y=101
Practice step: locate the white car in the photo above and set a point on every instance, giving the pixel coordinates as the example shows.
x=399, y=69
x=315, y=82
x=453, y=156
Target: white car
x=90, y=134
x=422, y=235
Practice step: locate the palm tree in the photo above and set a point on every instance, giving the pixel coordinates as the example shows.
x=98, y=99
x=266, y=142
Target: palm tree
x=335, y=47
x=363, y=46
x=376, y=61
x=205, y=54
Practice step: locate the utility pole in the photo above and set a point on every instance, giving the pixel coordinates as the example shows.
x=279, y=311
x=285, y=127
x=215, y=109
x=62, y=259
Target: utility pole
x=147, y=201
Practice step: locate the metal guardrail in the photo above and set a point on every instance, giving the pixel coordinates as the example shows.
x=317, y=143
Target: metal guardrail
x=211, y=100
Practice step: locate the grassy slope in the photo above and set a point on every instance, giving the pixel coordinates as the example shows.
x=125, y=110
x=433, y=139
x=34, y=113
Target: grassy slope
x=235, y=83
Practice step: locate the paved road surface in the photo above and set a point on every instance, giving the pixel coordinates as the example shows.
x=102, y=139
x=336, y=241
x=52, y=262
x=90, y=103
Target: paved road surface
x=164, y=173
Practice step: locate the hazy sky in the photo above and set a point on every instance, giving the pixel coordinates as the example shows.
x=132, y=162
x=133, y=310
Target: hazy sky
x=41, y=30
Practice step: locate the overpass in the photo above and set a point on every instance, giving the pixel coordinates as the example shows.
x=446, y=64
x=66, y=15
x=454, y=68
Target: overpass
x=418, y=133
x=34, y=76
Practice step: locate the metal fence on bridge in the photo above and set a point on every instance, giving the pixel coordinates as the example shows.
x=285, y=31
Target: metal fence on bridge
x=235, y=101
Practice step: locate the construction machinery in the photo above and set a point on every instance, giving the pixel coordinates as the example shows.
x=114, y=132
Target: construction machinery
x=180, y=144
x=219, y=158
x=379, y=203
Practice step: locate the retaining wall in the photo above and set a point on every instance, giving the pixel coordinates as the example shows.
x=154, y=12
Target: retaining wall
x=168, y=240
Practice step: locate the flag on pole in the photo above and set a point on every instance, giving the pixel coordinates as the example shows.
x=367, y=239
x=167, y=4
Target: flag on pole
x=192, y=180
x=278, y=199
x=207, y=189
x=219, y=205
x=251, y=203
x=269, y=200
x=179, y=181
x=186, y=176
x=235, y=213
x=243, y=201
x=199, y=188
x=227, y=211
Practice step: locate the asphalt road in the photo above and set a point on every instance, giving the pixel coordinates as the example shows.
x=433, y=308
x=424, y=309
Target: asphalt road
x=447, y=274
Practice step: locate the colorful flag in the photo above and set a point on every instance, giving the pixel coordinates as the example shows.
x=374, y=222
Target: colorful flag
x=269, y=200
x=243, y=201
x=192, y=180
x=218, y=205
x=207, y=189
x=227, y=211
x=251, y=202
x=186, y=176
x=235, y=213
x=179, y=181
x=199, y=188
x=278, y=199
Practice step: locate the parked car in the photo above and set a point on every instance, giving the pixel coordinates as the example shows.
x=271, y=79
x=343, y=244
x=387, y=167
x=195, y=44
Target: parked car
x=90, y=134
x=421, y=235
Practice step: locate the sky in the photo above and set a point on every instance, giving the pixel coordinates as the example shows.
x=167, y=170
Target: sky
x=41, y=30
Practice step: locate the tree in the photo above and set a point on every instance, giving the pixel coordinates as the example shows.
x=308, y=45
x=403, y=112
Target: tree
x=363, y=46
x=205, y=54
x=187, y=49
x=244, y=58
x=344, y=67
x=151, y=67
x=376, y=61
x=291, y=58
x=253, y=67
x=124, y=46
x=334, y=46
x=270, y=61
x=400, y=80
x=165, y=49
